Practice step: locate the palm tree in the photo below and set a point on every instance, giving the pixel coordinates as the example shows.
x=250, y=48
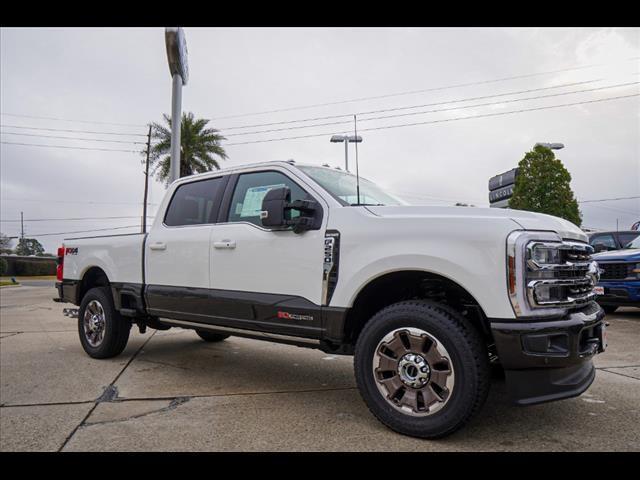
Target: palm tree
x=198, y=147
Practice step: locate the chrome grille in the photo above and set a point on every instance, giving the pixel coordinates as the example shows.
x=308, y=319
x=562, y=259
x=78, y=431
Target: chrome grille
x=567, y=283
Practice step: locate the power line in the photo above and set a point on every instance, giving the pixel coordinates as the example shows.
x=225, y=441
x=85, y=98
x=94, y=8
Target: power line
x=71, y=148
x=71, y=138
x=609, y=199
x=73, y=131
x=84, y=202
x=71, y=219
x=81, y=231
x=434, y=111
x=73, y=121
x=411, y=92
x=370, y=112
x=435, y=121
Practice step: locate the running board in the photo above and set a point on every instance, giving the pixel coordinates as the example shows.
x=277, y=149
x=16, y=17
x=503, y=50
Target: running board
x=256, y=335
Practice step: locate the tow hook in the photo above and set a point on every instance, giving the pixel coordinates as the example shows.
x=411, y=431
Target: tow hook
x=70, y=312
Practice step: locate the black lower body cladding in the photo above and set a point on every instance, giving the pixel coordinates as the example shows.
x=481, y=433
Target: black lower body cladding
x=546, y=360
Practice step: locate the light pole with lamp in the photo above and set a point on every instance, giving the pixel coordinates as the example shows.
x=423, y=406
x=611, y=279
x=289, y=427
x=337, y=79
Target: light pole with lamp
x=346, y=139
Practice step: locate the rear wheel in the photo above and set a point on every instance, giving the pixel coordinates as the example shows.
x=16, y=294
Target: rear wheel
x=421, y=370
x=609, y=308
x=103, y=331
x=210, y=336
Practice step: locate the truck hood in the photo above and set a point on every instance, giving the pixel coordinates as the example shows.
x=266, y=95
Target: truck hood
x=524, y=219
x=627, y=254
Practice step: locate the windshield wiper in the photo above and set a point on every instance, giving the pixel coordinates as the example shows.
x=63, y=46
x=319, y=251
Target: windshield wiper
x=367, y=205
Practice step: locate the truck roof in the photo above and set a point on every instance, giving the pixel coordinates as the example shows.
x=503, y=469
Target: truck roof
x=257, y=164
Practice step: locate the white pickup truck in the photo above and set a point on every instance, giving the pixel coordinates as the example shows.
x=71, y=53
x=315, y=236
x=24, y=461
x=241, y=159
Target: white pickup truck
x=425, y=298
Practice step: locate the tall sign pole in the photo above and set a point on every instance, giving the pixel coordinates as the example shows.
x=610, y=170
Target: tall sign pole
x=179, y=68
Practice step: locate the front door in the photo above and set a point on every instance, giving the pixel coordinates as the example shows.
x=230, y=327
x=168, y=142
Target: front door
x=269, y=280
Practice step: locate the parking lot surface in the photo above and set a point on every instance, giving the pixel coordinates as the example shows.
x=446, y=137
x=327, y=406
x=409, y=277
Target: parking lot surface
x=170, y=390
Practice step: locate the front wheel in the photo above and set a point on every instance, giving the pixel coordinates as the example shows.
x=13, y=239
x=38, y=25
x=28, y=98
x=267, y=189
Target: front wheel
x=421, y=369
x=103, y=331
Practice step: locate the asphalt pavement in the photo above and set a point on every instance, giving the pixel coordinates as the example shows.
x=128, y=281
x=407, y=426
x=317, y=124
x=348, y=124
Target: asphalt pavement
x=169, y=390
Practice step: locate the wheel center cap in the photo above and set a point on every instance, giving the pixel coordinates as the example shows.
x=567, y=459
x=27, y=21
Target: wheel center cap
x=414, y=370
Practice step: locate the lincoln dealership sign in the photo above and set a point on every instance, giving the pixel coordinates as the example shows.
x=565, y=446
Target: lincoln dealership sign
x=501, y=188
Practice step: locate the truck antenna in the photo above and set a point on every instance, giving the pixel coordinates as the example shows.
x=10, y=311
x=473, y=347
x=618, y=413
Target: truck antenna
x=355, y=131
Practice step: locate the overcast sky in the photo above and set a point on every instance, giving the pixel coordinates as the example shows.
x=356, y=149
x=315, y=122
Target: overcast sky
x=121, y=76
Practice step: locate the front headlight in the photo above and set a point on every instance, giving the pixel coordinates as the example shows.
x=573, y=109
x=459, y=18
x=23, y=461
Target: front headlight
x=546, y=275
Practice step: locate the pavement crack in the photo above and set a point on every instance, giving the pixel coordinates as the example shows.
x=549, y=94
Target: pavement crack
x=175, y=403
x=110, y=393
x=97, y=400
x=166, y=364
x=621, y=374
x=9, y=334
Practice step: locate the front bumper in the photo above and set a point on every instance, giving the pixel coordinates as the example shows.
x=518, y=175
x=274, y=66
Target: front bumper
x=546, y=360
x=620, y=293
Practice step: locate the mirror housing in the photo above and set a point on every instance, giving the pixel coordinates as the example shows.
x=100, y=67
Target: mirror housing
x=276, y=211
x=273, y=207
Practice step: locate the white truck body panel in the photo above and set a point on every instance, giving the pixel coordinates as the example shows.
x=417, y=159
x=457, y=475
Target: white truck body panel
x=120, y=256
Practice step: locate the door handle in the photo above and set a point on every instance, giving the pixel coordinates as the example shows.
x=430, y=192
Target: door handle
x=225, y=244
x=158, y=246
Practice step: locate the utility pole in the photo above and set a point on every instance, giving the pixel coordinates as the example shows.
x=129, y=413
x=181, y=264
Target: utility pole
x=21, y=226
x=146, y=183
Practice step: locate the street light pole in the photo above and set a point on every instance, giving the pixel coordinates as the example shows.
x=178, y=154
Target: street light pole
x=346, y=156
x=346, y=139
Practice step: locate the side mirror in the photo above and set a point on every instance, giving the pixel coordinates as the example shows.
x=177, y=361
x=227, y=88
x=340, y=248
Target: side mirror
x=599, y=248
x=273, y=207
x=276, y=211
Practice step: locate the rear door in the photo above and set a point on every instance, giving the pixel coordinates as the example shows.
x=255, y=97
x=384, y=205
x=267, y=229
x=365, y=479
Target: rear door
x=177, y=250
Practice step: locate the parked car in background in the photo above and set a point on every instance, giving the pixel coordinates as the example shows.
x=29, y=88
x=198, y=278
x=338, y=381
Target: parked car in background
x=615, y=240
x=619, y=283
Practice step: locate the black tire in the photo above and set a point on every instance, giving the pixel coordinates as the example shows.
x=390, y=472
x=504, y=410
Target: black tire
x=609, y=308
x=116, y=327
x=468, y=356
x=210, y=336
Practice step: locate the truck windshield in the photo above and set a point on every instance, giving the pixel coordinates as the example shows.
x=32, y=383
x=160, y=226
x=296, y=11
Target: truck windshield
x=342, y=186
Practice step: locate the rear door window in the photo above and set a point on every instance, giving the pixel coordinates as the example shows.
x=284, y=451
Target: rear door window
x=195, y=203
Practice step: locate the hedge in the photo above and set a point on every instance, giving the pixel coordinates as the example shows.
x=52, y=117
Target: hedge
x=4, y=266
x=27, y=268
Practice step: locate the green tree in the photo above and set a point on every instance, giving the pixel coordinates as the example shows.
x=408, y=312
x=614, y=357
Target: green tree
x=29, y=246
x=543, y=185
x=5, y=244
x=199, y=147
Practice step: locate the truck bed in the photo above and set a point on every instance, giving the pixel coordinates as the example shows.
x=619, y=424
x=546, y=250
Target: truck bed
x=120, y=256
